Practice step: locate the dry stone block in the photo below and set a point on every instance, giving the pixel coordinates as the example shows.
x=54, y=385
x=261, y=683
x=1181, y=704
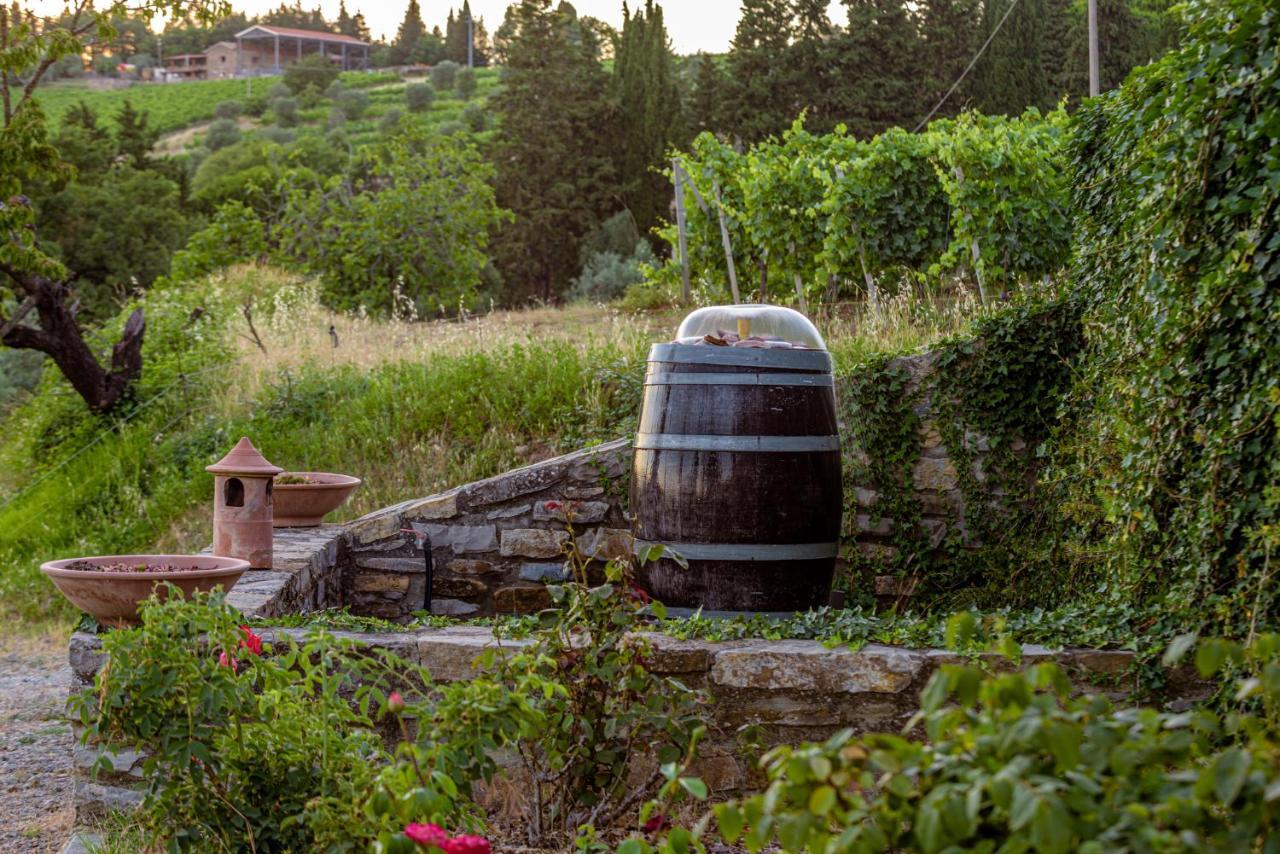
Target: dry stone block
x=936, y=474
x=583, y=491
x=403, y=565
x=380, y=525
x=582, y=512
x=457, y=588
x=469, y=567
x=521, y=600
x=552, y=572
x=452, y=607
x=607, y=544
x=877, y=551
x=461, y=538
x=509, y=512
x=450, y=654
x=533, y=542
x=86, y=656
x=882, y=525
x=865, y=497
x=807, y=666
x=671, y=655
x=380, y=582
x=436, y=507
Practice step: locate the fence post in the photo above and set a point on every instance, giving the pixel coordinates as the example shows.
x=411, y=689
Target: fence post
x=682, y=240
x=728, y=247
x=974, y=251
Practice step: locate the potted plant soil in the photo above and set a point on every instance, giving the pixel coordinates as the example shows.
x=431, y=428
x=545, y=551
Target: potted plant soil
x=110, y=587
x=302, y=498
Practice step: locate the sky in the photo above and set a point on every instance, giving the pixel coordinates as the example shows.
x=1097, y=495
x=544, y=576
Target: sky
x=693, y=25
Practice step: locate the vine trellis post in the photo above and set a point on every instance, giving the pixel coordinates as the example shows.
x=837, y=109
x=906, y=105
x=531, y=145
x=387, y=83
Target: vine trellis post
x=728, y=246
x=804, y=303
x=873, y=293
x=974, y=250
x=682, y=240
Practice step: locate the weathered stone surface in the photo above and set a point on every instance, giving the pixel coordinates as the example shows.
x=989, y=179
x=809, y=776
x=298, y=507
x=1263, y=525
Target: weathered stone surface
x=579, y=512
x=521, y=600
x=461, y=538
x=457, y=588
x=892, y=585
x=533, y=542
x=452, y=607
x=85, y=655
x=444, y=506
x=878, y=551
x=583, y=491
x=380, y=582
x=807, y=666
x=515, y=484
x=606, y=543
x=941, y=503
x=450, y=654
x=552, y=572
x=125, y=764
x=379, y=525
x=509, y=512
x=402, y=565
x=671, y=655
x=469, y=567
x=865, y=497
x=936, y=474
x=873, y=525
x=95, y=801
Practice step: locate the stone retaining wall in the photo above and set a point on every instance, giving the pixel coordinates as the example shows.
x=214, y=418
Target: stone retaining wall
x=494, y=543
x=792, y=691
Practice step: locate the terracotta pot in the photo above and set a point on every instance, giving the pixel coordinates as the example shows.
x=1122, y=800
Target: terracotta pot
x=112, y=598
x=304, y=505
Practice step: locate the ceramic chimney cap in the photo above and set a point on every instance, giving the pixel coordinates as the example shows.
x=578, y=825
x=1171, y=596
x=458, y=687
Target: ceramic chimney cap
x=244, y=458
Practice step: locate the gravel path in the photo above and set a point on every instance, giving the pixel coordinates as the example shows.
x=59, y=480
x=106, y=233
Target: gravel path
x=35, y=745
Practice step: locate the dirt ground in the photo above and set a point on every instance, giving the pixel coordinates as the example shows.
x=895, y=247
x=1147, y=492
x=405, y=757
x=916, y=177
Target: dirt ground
x=36, y=742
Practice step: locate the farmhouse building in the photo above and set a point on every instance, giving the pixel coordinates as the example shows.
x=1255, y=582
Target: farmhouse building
x=264, y=49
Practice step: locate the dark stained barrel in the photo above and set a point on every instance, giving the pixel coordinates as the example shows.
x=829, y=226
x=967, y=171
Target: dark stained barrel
x=737, y=468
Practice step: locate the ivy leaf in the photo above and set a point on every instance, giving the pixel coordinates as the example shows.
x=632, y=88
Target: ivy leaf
x=1229, y=772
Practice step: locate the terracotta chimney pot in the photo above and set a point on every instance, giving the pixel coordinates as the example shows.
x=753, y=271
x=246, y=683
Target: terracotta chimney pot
x=242, y=508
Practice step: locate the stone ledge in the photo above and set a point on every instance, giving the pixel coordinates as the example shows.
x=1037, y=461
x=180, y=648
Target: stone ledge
x=798, y=665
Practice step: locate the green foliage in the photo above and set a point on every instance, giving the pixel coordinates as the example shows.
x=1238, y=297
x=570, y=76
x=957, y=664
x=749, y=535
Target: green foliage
x=552, y=157
x=222, y=133
x=443, y=75
x=286, y=111
x=1176, y=452
x=353, y=103
x=606, y=275
x=390, y=120
x=235, y=234
x=419, y=96
x=476, y=118
x=824, y=209
x=465, y=83
x=411, y=221
x=1013, y=762
x=313, y=71
x=228, y=110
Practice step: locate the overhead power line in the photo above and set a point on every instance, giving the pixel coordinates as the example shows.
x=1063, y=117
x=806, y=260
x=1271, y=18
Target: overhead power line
x=968, y=68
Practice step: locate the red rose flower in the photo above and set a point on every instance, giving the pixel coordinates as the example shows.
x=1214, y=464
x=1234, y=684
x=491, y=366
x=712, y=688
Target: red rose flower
x=467, y=845
x=656, y=823
x=225, y=660
x=395, y=703
x=427, y=834
x=251, y=641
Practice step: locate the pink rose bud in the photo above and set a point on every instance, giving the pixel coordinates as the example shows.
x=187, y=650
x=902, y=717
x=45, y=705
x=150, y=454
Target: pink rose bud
x=395, y=703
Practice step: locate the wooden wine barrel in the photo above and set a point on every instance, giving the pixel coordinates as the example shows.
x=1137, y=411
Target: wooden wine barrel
x=737, y=468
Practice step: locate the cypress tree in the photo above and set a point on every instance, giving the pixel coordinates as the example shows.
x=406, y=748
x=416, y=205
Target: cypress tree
x=705, y=102
x=648, y=101
x=553, y=169
x=407, y=37
x=877, y=61
x=809, y=64
x=1011, y=75
x=949, y=38
x=758, y=102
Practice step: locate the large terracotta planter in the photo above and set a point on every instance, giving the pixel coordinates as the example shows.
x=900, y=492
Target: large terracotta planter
x=112, y=598
x=304, y=505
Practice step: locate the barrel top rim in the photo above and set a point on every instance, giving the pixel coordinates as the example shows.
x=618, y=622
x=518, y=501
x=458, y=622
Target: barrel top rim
x=746, y=356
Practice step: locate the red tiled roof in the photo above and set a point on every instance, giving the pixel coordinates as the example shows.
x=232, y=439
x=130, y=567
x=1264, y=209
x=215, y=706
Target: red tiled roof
x=294, y=33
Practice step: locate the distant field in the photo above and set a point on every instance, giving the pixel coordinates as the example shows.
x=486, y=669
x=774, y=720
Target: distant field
x=171, y=106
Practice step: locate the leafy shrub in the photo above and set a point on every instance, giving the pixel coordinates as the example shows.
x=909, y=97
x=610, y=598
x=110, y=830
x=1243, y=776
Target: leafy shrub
x=1178, y=443
x=228, y=110
x=419, y=97
x=335, y=89
x=1013, y=763
x=235, y=234
x=286, y=110
x=278, y=90
x=607, y=275
x=418, y=214
x=255, y=105
x=314, y=71
x=451, y=128
x=278, y=135
x=443, y=75
x=475, y=117
x=353, y=103
x=465, y=82
x=390, y=120
x=337, y=119
x=222, y=133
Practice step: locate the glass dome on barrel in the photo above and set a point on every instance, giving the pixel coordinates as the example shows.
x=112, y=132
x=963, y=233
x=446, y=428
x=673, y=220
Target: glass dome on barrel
x=767, y=322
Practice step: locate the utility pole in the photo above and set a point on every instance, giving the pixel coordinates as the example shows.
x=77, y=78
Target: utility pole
x=1095, y=82
x=471, y=41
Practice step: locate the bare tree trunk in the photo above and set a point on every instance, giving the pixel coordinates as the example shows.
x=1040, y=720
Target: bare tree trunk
x=61, y=339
